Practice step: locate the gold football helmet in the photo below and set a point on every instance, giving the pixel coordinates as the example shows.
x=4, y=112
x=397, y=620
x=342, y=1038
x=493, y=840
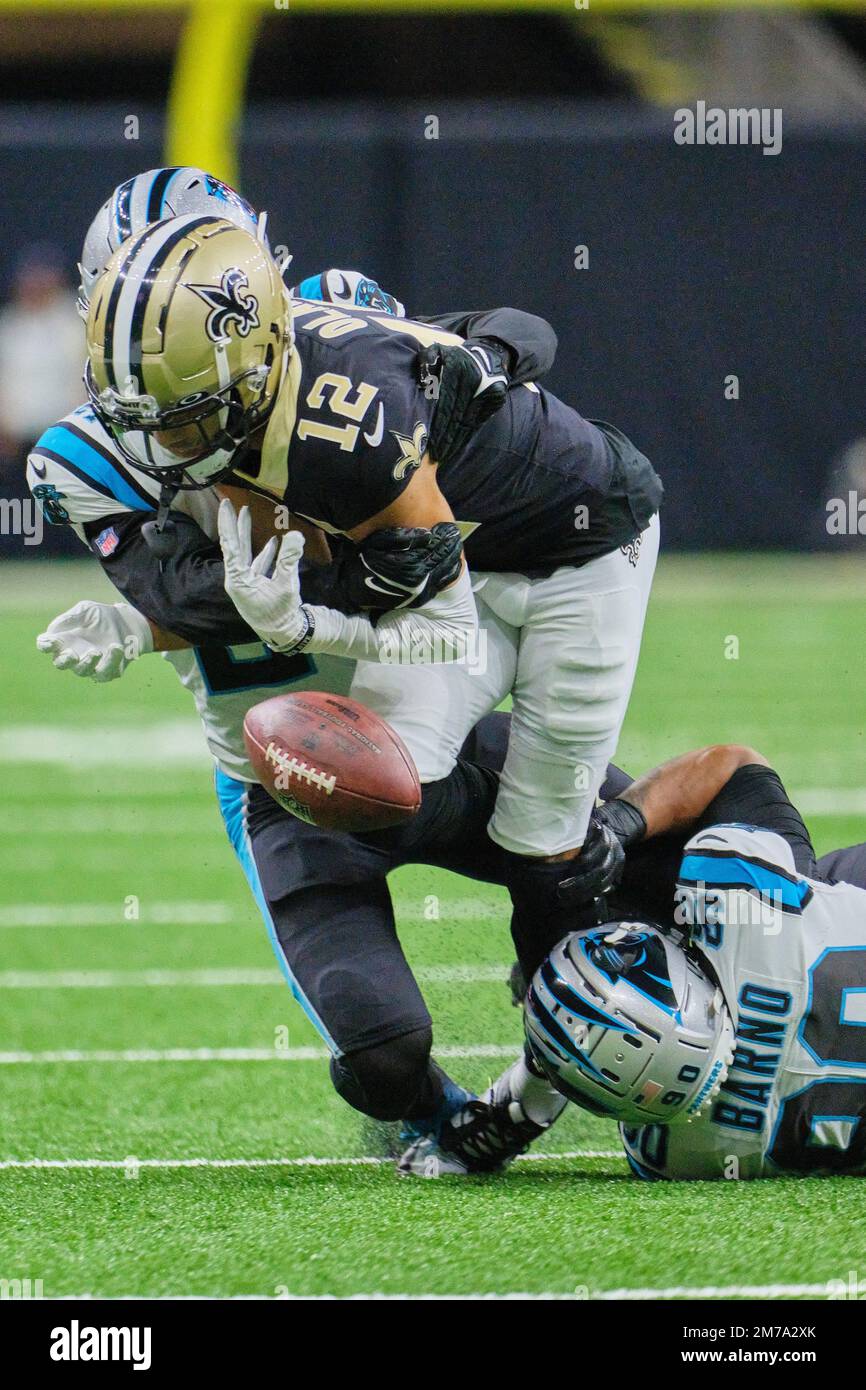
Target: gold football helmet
x=189, y=333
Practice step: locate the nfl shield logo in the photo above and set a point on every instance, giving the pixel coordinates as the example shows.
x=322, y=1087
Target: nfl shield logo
x=107, y=542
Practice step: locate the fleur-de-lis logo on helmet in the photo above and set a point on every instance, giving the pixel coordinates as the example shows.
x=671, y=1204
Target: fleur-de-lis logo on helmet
x=229, y=305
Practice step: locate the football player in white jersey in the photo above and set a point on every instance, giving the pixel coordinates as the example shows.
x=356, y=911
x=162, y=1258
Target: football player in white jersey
x=724, y=1029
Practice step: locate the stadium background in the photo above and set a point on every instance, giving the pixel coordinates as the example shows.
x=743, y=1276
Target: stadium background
x=148, y=1050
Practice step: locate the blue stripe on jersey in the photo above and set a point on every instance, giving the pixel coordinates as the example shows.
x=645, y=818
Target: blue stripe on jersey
x=735, y=871
x=63, y=442
x=311, y=288
x=232, y=798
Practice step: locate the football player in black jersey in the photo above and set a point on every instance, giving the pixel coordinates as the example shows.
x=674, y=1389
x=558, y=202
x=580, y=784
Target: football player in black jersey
x=195, y=347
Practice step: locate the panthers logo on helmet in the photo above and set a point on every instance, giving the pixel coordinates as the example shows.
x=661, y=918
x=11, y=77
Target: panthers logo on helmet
x=215, y=188
x=229, y=305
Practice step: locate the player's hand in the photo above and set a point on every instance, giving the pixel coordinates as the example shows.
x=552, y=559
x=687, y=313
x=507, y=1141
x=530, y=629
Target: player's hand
x=469, y=383
x=98, y=640
x=404, y=566
x=598, y=869
x=270, y=603
x=350, y=288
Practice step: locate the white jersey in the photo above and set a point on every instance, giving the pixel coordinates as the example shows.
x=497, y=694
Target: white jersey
x=78, y=475
x=790, y=955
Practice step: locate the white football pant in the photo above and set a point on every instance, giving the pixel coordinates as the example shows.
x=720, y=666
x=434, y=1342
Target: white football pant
x=565, y=648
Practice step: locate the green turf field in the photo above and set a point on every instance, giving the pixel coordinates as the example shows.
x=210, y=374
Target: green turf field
x=109, y=813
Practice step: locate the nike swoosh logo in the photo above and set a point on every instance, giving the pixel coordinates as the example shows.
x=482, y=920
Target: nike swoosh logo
x=38, y=468
x=345, y=291
x=375, y=439
x=394, y=592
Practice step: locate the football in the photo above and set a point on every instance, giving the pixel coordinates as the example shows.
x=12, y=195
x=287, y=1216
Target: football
x=332, y=762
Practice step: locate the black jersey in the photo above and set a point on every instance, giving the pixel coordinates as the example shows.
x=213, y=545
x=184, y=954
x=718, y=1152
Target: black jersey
x=536, y=487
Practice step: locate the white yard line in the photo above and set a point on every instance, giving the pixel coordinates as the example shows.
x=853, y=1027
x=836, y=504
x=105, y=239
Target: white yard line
x=719, y=1291
x=219, y=976
x=813, y=802
x=179, y=743
x=222, y=1054
x=310, y=1161
x=194, y=913
x=111, y=914
x=730, y=1291
x=170, y=743
x=831, y=801
x=138, y=979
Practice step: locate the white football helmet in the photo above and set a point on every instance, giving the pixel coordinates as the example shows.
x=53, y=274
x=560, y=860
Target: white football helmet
x=151, y=197
x=627, y=1024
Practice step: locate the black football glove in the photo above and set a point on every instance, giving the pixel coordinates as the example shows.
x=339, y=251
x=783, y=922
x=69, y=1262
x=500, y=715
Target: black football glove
x=411, y=564
x=469, y=383
x=398, y=567
x=599, y=869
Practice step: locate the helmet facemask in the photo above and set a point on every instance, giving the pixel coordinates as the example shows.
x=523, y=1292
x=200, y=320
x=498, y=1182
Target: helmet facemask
x=217, y=425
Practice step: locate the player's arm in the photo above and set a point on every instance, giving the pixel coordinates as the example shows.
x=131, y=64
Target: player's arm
x=271, y=518
x=719, y=785
x=182, y=593
x=674, y=796
x=470, y=381
x=183, y=601
x=185, y=593
x=266, y=590
x=421, y=503
x=528, y=342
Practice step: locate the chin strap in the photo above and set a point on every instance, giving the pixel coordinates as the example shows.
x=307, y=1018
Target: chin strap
x=161, y=535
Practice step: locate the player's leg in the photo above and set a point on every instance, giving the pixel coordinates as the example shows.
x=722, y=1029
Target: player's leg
x=325, y=902
x=341, y=941
x=580, y=638
x=434, y=709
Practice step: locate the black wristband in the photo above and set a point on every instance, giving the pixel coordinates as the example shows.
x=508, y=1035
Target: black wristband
x=306, y=636
x=625, y=820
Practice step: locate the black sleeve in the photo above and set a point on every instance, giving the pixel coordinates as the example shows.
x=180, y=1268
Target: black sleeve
x=530, y=340
x=649, y=879
x=755, y=796
x=186, y=594
x=183, y=594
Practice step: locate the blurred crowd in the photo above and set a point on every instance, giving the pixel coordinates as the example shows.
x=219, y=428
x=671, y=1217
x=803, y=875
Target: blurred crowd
x=41, y=362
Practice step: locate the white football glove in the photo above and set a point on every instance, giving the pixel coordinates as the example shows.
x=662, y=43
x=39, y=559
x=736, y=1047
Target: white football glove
x=98, y=640
x=271, y=606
